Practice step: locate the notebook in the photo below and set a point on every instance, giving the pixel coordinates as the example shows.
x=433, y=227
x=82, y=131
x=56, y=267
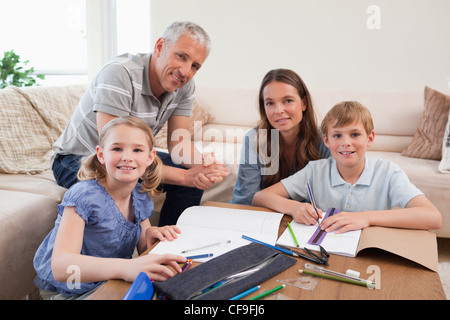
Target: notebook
x=216, y=230
x=345, y=244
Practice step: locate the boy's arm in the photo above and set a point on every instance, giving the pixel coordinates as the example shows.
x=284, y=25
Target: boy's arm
x=419, y=213
x=277, y=198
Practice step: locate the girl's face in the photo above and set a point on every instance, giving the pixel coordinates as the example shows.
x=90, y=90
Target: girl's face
x=284, y=107
x=126, y=153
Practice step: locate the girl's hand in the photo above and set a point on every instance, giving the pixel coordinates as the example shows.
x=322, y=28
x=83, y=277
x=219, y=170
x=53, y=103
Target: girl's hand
x=156, y=266
x=345, y=221
x=164, y=233
x=303, y=212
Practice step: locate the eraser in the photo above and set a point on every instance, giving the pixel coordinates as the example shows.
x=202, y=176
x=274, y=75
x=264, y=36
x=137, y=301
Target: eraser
x=352, y=273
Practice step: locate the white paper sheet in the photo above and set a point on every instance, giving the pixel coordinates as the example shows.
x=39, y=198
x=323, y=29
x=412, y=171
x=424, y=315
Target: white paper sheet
x=204, y=225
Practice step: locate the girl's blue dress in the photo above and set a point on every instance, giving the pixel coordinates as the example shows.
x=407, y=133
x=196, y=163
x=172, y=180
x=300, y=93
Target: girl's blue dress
x=107, y=233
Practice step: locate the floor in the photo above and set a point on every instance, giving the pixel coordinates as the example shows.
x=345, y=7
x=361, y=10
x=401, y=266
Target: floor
x=444, y=263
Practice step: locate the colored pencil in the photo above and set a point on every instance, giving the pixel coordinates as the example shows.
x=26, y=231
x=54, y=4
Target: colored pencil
x=187, y=265
x=293, y=235
x=267, y=292
x=206, y=255
x=245, y=293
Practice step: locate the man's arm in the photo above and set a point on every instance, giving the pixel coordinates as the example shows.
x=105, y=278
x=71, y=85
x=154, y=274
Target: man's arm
x=180, y=145
x=102, y=119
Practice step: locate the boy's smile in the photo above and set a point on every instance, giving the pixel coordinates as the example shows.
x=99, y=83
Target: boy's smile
x=348, y=145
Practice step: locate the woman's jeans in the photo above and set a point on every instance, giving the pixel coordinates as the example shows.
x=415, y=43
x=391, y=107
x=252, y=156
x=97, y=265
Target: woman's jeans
x=178, y=198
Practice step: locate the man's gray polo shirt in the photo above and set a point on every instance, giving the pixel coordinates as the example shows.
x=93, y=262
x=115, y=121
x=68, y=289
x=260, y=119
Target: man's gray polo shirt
x=121, y=88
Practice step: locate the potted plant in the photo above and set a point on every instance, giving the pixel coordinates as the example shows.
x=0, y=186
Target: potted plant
x=12, y=71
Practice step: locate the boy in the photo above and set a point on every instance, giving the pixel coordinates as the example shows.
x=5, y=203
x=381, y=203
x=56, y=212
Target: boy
x=366, y=191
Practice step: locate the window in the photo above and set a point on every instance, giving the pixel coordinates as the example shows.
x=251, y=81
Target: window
x=133, y=26
x=51, y=34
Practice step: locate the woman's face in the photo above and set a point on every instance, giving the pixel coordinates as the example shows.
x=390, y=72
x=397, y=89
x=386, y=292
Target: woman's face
x=283, y=106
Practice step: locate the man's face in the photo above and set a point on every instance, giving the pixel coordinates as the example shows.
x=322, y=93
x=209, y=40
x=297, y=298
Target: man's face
x=176, y=64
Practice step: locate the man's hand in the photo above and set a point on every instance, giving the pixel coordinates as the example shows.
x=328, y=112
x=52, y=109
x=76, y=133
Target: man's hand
x=208, y=173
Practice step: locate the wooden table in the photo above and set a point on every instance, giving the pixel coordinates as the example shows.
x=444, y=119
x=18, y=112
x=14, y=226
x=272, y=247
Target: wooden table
x=400, y=278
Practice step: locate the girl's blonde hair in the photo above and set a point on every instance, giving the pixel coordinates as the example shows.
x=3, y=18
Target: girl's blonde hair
x=91, y=168
x=345, y=113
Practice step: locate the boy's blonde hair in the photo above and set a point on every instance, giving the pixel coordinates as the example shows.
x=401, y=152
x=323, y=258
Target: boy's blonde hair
x=91, y=168
x=345, y=113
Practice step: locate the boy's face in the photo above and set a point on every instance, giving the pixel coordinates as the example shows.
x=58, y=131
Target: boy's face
x=348, y=145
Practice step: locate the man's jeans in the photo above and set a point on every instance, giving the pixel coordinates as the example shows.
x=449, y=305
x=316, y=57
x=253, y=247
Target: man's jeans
x=178, y=198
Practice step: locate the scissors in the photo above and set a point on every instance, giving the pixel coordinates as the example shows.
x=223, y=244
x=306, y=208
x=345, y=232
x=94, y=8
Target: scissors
x=311, y=256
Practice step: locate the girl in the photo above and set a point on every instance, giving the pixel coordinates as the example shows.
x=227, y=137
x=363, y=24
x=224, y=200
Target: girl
x=104, y=217
x=287, y=133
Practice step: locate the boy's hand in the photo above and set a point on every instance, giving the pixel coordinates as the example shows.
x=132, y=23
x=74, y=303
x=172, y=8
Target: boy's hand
x=304, y=213
x=345, y=221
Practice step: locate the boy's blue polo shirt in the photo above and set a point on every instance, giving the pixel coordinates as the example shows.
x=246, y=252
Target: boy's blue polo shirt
x=381, y=186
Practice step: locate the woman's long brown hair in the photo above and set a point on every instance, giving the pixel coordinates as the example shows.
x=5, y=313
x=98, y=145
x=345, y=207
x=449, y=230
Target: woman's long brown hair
x=308, y=136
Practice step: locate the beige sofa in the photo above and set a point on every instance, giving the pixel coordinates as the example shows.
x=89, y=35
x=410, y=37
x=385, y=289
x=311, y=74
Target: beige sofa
x=32, y=119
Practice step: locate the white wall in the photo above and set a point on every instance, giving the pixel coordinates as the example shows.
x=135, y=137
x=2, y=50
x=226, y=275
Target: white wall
x=326, y=41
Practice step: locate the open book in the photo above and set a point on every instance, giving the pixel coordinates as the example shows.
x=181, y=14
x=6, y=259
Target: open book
x=216, y=230
x=419, y=246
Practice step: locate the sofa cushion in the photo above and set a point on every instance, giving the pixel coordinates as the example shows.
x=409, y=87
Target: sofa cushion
x=444, y=165
x=32, y=119
x=25, y=220
x=42, y=183
x=427, y=141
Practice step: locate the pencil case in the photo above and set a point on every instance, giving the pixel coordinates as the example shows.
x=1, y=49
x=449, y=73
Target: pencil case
x=226, y=275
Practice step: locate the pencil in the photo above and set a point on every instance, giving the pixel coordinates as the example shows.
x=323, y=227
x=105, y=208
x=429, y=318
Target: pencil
x=311, y=197
x=245, y=293
x=206, y=255
x=293, y=235
x=187, y=265
x=327, y=276
x=267, y=292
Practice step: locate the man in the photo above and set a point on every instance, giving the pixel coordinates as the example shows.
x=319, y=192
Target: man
x=157, y=88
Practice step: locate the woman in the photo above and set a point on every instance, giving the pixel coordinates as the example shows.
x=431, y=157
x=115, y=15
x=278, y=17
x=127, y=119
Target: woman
x=285, y=140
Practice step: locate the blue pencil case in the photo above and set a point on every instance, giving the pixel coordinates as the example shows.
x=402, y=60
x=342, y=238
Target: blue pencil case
x=226, y=275
x=140, y=289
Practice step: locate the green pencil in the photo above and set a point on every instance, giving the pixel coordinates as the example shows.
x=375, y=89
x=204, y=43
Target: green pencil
x=293, y=235
x=267, y=292
x=327, y=276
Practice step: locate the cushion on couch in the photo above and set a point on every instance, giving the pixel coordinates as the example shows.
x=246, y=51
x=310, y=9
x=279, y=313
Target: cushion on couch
x=427, y=141
x=444, y=165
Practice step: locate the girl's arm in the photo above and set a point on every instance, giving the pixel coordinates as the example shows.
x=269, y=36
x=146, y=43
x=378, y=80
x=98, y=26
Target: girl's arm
x=419, y=213
x=67, y=248
x=276, y=198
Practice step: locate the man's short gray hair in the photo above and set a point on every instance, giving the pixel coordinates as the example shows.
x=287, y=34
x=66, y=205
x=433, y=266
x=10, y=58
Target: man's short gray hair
x=179, y=28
